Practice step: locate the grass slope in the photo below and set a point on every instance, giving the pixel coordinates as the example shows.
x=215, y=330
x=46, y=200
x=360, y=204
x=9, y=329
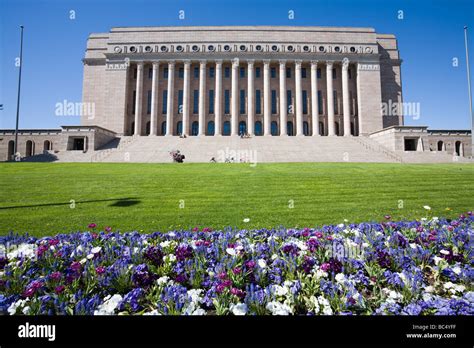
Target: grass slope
x=36, y=197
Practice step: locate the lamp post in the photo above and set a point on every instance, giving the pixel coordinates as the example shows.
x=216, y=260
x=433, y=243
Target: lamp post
x=19, y=88
x=469, y=91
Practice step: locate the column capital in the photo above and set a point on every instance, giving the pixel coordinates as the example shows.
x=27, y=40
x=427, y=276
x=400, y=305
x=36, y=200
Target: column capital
x=298, y=63
x=202, y=62
x=329, y=62
x=235, y=62
x=156, y=64
x=266, y=62
x=282, y=63
x=345, y=63
x=218, y=61
x=171, y=64
x=250, y=62
x=187, y=62
x=140, y=65
x=314, y=64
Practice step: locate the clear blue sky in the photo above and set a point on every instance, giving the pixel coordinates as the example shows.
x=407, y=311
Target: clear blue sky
x=429, y=36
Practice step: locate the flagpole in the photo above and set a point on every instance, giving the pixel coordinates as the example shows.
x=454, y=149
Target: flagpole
x=469, y=90
x=19, y=88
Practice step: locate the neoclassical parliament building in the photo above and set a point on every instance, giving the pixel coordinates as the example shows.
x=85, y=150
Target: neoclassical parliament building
x=281, y=93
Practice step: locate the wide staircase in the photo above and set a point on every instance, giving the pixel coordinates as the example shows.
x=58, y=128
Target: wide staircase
x=236, y=149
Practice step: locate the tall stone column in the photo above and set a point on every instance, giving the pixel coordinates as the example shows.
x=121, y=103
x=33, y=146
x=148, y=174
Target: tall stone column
x=314, y=98
x=235, y=98
x=186, y=84
x=250, y=97
x=330, y=98
x=346, y=111
x=299, y=99
x=202, y=97
x=218, y=99
x=170, y=100
x=154, y=99
x=266, y=98
x=138, y=100
x=283, y=103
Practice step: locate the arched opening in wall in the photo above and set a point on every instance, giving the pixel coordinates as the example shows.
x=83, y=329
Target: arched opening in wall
x=242, y=128
x=352, y=128
x=458, y=149
x=47, y=145
x=179, y=128
x=440, y=145
x=132, y=128
x=29, y=151
x=336, y=128
x=147, y=128
x=226, y=128
x=11, y=148
x=163, y=128
x=321, y=128
x=289, y=128
x=195, y=128
x=274, y=128
x=258, y=128
x=305, y=128
x=210, y=128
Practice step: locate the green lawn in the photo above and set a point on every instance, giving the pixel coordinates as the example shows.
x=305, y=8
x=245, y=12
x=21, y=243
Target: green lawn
x=36, y=197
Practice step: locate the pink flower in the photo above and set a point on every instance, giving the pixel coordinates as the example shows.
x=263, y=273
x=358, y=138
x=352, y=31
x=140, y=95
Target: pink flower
x=325, y=267
x=59, y=289
x=107, y=228
x=55, y=275
x=237, y=270
x=92, y=225
x=100, y=270
x=196, y=229
x=387, y=217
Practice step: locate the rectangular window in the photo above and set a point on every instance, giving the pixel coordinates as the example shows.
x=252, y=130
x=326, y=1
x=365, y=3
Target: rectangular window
x=180, y=101
x=150, y=73
x=274, y=101
x=305, y=102
x=318, y=72
x=148, y=102
x=242, y=101
x=165, y=73
x=273, y=72
x=134, y=101
x=226, y=72
x=195, y=101
x=349, y=72
x=181, y=73
x=196, y=72
x=258, y=102
x=303, y=73
x=211, y=101
x=257, y=72
x=135, y=73
x=351, y=104
x=333, y=73
x=242, y=72
x=212, y=72
x=288, y=73
x=226, y=102
x=320, y=102
x=165, y=101
x=336, y=112
x=289, y=102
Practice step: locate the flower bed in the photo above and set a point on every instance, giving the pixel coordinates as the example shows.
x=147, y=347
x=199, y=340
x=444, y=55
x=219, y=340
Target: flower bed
x=414, y=268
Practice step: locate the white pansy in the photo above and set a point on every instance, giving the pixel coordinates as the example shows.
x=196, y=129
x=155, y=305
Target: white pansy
x=238, y=309
x=96, y=250
x=279, y=290
x=83, y=261
x=277, y=308
x=199, y=311
x=429, y=289
x=90, y=256
x=456, y=269
x=459, y=288
x=403, y=277
x=444, y=252
x=26, y=310
x=340, y=277
x=413, y=245
x=169, y=258
x=246, y=220
x=165, y=244
x=153, y=312
x=274, y=257
x=162, y=280
x=437, y=259
x=321, y=274
x=15, y=305
x=231, y=251
x=109, y=305
x=262, y=263
x=24, y=250
x=427, y=207
x=171, y=234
